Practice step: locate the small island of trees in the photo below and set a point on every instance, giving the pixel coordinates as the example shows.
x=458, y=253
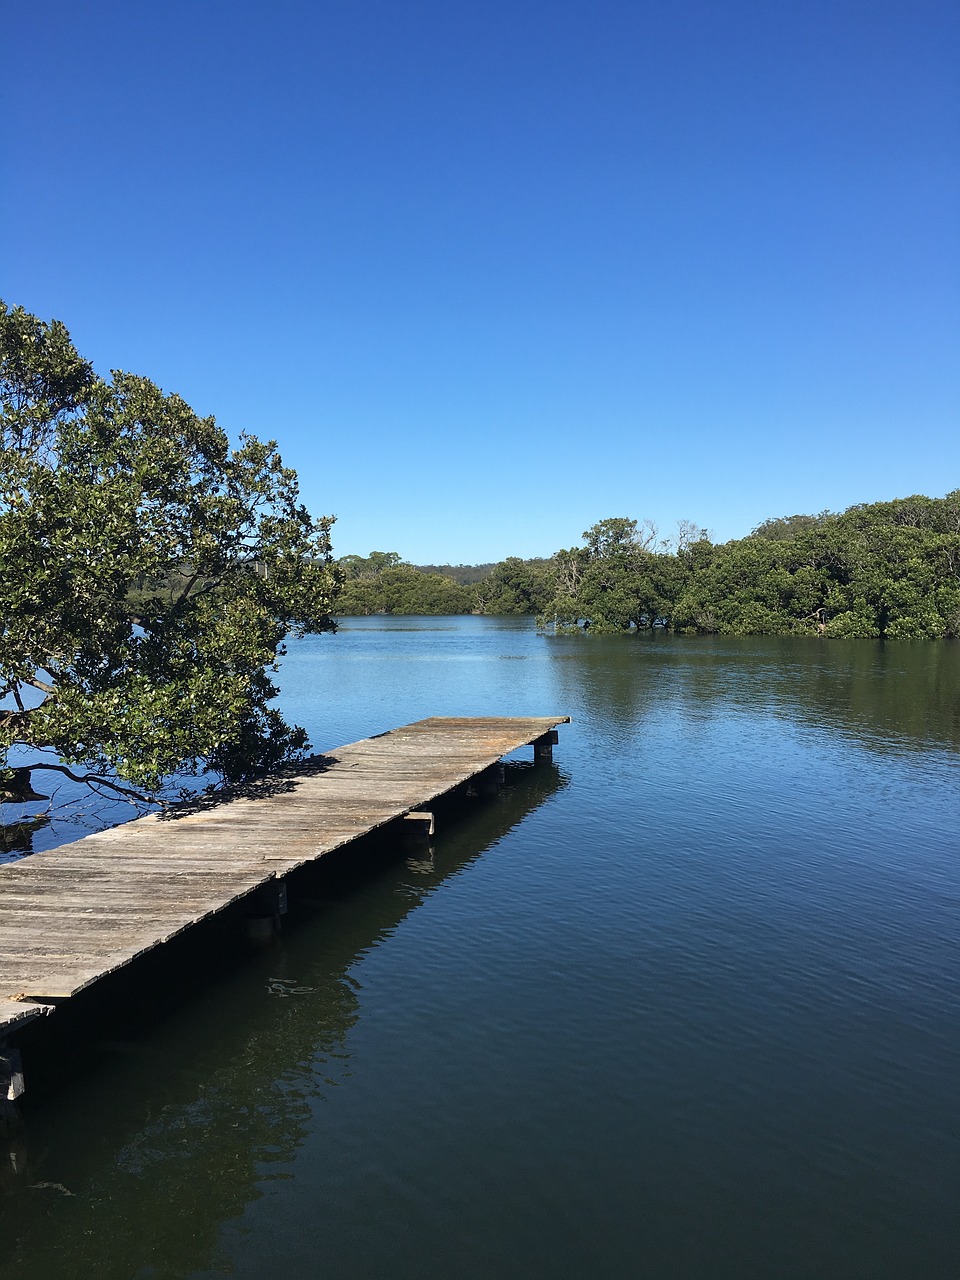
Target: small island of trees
x=888, y=570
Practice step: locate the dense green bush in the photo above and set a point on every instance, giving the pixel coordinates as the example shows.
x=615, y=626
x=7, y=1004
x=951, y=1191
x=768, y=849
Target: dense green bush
x=886, y=569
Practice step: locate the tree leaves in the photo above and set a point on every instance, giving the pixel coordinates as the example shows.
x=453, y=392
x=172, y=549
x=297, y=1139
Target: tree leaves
x=149, y=572
x=889, y=569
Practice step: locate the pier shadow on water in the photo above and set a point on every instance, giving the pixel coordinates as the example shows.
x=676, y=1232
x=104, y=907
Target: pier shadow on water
x=160, y=1102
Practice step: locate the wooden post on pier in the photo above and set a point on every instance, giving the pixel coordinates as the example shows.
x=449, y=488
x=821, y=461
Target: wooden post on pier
x=418, y=825
x=13, y=1147
x=418, y=829
x=268, y=906
x=490, y=782
x=11, y=1072
x=543, y=747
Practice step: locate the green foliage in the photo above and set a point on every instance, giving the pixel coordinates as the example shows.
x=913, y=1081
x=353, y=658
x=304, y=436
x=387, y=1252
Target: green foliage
x=465, y=574
x=383, y=583
x=515, y=586
x=615, y=536
x=780, y=528
x=148, y=573
x=889, y=569
x=615, y=582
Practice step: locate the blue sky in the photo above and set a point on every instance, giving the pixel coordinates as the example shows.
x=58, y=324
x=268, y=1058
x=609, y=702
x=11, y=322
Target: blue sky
x=490, y=272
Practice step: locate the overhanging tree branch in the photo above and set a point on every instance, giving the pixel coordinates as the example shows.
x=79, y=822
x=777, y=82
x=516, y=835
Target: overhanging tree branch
x=94, y=781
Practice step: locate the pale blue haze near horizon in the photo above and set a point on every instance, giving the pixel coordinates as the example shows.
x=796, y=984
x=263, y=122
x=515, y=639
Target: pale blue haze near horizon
x=491, y=272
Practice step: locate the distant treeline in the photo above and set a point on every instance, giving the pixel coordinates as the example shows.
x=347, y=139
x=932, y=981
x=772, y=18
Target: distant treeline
x=882, y=569
x=465, y=574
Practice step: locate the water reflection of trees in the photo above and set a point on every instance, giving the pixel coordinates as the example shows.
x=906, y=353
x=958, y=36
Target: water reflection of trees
x=16, y=838
x=879, y=696
x=133, y=1169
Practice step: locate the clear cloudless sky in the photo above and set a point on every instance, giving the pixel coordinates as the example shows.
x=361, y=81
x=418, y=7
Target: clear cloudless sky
x=492, y=270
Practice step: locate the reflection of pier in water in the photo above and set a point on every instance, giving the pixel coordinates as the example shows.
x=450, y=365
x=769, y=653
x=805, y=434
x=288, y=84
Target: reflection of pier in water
x=189, y=1095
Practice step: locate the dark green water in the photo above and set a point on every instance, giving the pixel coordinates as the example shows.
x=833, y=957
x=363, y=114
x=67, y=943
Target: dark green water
x=685, y=1005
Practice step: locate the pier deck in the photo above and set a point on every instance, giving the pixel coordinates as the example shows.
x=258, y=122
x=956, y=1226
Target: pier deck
x=74, y=914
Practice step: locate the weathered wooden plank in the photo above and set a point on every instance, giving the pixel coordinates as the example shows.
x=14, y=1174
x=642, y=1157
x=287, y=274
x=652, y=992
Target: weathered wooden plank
x=15, y=1013
x=39, y=917
x=180, y=888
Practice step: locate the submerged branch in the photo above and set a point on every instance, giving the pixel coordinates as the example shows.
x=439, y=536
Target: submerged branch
x=95, y=782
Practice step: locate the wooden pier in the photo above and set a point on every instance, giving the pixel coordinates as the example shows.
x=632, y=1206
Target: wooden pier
x=72, y=915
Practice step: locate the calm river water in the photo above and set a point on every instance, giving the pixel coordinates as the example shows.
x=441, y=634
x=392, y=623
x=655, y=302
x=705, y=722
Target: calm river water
x=686, y=1005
